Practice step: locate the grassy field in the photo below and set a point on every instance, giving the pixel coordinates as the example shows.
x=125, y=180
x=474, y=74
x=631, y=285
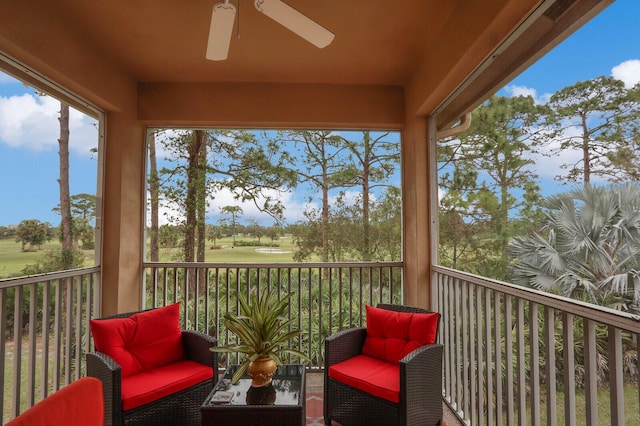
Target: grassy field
x=13, y=259
x=631, y=412
x=230, y=253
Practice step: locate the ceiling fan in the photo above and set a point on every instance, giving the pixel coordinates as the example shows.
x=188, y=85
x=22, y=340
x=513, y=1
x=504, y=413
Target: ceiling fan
x=224, y=15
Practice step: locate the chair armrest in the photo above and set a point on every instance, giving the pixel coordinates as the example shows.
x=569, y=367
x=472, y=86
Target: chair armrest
x=421, y=380
x=197, y=347
x=105, y=368
x=343, y=345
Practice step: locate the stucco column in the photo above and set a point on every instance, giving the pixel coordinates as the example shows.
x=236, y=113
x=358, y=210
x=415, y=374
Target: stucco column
x=416, y=208
x=123, y=205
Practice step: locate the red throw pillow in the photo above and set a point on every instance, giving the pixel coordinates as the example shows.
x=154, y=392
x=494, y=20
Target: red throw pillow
x=113, y=337
x=143, y=341
x=391, y=335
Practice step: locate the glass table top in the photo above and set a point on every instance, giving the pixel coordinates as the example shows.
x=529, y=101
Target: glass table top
x=286, y=388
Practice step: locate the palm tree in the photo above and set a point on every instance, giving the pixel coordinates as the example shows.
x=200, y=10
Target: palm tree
x=589, y=247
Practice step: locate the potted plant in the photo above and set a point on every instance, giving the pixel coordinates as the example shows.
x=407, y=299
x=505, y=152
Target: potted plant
x=263, y=331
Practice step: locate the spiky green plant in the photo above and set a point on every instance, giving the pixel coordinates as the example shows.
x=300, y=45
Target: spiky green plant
x=263, y=330
x=590, y=249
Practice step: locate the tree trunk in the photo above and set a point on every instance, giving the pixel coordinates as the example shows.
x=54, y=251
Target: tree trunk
x=194, y=198
x=190, y=209
x=65, y=215
x=366, y=226
x=65, y=197
x=191, y=202
x=325, y=224
x=201, y=203
x=586, y=154
x=154, y=189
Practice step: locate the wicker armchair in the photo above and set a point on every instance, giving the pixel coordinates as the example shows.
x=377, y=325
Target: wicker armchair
x=420, y=390
x=179, y=408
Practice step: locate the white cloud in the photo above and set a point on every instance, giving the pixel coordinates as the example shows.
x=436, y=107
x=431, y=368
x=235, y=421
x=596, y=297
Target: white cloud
x=162, y=136
x=31, y=122
x=167, y=213
x=513, y=91
x=294, y=208
x=627, y=72
x=350, y=198
x=548, y=166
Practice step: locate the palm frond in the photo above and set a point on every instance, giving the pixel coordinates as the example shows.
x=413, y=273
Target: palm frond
x=590, y=248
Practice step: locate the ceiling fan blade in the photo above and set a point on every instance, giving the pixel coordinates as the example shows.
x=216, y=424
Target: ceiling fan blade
x=295, y=21
x=220, y=30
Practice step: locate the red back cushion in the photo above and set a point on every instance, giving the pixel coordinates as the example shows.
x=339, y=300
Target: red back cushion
x=143, y=341
x=391, y=335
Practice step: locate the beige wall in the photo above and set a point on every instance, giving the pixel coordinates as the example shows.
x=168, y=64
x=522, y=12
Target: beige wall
x=259, y=105
x=123, y=205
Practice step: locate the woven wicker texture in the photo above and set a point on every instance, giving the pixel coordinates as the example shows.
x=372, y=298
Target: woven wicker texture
x=420, y=384
x=181, y=408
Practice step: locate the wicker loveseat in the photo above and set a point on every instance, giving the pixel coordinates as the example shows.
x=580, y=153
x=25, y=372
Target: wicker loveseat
x=389, y=373
x=152, y=371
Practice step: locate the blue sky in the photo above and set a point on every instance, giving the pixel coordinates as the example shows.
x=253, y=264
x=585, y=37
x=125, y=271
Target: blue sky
x=606, y=41
x=607, y=45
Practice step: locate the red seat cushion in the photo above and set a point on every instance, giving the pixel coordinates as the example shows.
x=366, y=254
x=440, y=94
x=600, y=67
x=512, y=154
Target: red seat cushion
x=143, y=341
x=148, y=386
x=78, y=403
x=391, y=335
x=371, y=375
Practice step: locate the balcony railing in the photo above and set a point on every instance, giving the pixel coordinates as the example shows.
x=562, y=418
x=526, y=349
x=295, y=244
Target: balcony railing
x=44, y=321
x=514, y=355
x=324, y=297
x=45, y=318
x=497, y=369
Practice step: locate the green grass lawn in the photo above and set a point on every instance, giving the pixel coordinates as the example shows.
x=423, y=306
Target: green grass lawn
x=13, y=259
x=228, y=253
x=631, y=412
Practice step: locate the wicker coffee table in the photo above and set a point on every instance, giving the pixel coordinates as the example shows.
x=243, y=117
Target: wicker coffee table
x=281, y=403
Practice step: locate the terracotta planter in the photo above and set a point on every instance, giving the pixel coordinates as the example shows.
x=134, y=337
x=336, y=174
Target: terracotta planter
x=261, y=371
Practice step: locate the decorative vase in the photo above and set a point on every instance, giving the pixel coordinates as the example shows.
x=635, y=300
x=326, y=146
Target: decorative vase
x=261, y=371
